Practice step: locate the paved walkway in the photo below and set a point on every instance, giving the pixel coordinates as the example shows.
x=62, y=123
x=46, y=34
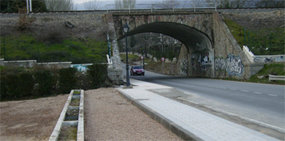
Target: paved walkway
x=196, y=123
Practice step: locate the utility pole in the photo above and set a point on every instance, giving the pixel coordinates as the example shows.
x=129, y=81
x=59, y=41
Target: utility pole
x=109, y=47
x=4, y=47
x=31, y=7
x=27, y=2
x=144, y=52
x=126, y=30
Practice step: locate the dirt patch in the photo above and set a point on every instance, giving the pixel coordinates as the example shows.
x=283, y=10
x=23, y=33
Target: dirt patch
x=109, y=116
x=30, y=119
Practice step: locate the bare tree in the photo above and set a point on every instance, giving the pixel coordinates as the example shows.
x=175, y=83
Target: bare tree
x=125, y=4
x=168, y=4
x=233, y=3
x=92, y=5
x=240, y=3
x=59, y=5
x=271, y=3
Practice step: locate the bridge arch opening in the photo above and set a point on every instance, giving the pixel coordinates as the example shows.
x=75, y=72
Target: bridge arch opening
x=199, y=61
x=189, y=36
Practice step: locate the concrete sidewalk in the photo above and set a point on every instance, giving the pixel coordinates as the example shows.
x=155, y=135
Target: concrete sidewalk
x=186, y=121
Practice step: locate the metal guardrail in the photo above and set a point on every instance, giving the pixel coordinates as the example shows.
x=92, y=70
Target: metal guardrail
x=276, y=77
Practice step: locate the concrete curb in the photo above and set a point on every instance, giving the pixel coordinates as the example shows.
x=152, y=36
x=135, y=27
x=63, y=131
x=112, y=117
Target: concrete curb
x=178, y=130
x=80, y=126
x=56, y=130
x=79, y=123
x=262, y=124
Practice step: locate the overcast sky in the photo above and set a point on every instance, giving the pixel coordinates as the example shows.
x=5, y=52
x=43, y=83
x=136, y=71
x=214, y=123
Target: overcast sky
x=109, y=4
x=79, y=4
x=82, y=1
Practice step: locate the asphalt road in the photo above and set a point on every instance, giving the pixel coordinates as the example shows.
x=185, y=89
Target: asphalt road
x=262, y=103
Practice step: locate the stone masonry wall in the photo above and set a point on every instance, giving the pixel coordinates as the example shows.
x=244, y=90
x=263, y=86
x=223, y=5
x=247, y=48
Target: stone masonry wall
x=256, y=18
x=75, y=24
x=230, y=60
x=201, y=21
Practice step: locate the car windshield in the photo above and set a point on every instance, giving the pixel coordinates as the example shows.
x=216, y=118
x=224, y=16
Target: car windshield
x=137, y=67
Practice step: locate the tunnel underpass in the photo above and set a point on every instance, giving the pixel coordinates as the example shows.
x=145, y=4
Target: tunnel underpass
x=197, y=59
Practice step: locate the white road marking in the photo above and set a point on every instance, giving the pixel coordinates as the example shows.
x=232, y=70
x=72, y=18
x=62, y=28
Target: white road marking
x=272, y=95
x=257, y=92
x=245, y=91
x=232, y=89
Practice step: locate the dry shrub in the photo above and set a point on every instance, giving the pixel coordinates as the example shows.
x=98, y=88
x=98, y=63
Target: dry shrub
x=52, y=34
x=24, y=20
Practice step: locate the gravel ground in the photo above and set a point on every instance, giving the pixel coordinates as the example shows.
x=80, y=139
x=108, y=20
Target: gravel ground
x=30, y=120
x=109, y=116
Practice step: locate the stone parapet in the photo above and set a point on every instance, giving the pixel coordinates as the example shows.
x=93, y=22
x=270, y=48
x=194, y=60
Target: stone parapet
x=58, y=65
x=21, y=63
x=32, y=63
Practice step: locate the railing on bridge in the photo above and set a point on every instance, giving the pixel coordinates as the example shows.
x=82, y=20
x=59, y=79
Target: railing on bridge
x=156, y=5
x=187, y=5
x=153, y=6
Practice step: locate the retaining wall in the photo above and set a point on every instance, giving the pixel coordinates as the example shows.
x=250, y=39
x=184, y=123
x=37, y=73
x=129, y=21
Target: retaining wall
x=32, y=63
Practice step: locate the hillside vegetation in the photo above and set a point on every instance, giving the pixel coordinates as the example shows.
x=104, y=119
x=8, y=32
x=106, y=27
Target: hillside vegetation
x=265, y=41
x=25, y=46
x=273, y=69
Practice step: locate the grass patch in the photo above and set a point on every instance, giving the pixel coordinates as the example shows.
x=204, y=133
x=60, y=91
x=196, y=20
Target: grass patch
x=274, y=69
x=76, y=92
x=131, y=58
x=25, y=46
x=68, y=133
x=75, y=102
x=266, y=41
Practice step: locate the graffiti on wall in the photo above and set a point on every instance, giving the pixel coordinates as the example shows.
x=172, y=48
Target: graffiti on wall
x=184, y=66
x=232, y=64
x=220, y=64
x=269, y=58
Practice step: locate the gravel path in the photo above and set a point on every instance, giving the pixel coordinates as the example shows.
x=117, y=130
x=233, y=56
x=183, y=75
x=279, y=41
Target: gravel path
x=109, y=116
x=30, y=120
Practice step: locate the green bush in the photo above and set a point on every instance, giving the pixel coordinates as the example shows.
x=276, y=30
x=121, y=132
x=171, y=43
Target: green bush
x=2, y=85
x=83, y=81
x=19, y=85
x=98, y=75
x=67, y=80
x=46, y=82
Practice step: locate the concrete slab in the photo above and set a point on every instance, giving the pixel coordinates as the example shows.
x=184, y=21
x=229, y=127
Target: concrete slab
x=186, y=121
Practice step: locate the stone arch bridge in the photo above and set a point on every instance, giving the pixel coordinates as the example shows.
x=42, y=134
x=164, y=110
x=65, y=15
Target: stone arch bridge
x=210, y=50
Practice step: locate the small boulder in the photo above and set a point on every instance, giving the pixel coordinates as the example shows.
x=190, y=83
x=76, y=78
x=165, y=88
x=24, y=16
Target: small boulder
x=68, y=24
